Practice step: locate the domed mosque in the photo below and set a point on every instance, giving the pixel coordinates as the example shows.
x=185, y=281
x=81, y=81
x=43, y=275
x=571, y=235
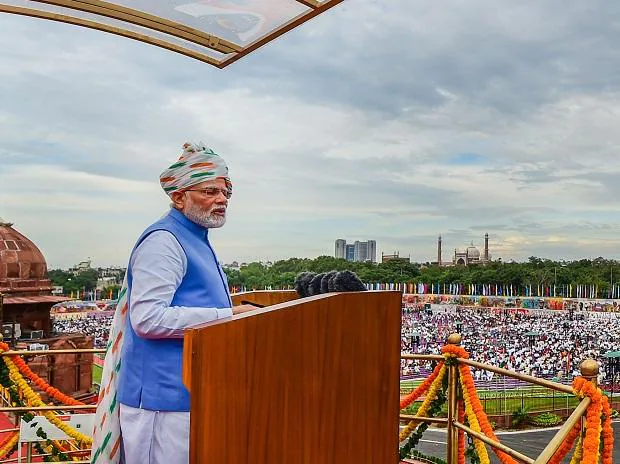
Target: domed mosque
x=465, y=257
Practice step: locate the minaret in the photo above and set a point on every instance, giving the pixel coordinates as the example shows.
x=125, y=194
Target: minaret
x=439, y=251
x=486, y=247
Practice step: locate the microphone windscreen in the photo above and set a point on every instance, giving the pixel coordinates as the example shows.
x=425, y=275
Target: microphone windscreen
x=314, y=287
x=331, y=286
x=347, y=281
x=301, y=283
x=325, y=281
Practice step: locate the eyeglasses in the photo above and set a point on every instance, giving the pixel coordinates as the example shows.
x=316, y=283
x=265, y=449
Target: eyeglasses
x=212, y=192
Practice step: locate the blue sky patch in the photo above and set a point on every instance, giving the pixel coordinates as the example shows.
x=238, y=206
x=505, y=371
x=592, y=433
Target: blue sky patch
x=467, y=159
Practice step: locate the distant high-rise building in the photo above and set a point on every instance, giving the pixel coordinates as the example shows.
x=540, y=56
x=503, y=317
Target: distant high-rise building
x=340, y=248
x=372, y=251
x=357, y=251
x=360, y=251
x=350, y=253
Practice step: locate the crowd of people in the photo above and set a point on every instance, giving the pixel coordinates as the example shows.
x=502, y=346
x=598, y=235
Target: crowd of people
x=94, y=324
x=548, y=344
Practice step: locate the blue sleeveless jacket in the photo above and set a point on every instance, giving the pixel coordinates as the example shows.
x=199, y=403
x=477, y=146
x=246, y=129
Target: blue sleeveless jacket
x=151, y=369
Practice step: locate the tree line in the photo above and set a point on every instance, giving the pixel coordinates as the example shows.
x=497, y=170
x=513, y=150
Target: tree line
x=599, y=272
x=535, y=271
x=85, y=281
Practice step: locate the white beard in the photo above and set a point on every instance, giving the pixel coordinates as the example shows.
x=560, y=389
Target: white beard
x=204, y=218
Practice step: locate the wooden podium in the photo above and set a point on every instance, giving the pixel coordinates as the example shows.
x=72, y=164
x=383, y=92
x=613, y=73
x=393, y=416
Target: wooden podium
x=304, y=381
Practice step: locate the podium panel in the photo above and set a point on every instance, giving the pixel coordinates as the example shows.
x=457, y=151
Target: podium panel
x=264, y=297
x=309, y=381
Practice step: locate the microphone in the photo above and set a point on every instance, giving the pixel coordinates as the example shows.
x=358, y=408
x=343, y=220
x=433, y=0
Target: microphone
x=314, y=287
x=311, y=283
x=325, y=281
x=347, y=281
x=301, y=283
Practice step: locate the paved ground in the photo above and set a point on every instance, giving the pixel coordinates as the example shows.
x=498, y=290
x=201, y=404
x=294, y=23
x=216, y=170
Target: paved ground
x=530, y=443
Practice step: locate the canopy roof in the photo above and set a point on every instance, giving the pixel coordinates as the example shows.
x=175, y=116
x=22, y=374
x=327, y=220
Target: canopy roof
x=218, y=32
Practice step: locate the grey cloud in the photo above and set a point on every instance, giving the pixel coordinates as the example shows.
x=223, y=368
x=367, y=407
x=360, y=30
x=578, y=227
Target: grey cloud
x=399, y=62
x=513, y=58
x=472, y=76
x=604, y=187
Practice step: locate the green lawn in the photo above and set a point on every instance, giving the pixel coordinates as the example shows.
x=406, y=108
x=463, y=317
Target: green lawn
x=534, y=399
x=97, y=370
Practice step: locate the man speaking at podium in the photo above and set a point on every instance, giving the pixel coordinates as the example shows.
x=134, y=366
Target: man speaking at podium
x=174, y=282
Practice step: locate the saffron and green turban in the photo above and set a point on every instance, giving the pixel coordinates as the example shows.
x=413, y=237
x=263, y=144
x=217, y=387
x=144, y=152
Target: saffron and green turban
x=197, y=164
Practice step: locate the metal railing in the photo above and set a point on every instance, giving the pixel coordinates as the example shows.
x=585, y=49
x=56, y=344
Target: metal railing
x=21, y=409
x=589, y=370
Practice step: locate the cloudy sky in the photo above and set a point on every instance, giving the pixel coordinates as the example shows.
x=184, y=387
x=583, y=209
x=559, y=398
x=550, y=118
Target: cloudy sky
x=393, y=120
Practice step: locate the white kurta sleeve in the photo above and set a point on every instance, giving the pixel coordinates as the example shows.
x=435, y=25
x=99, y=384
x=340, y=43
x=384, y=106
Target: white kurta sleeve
x=158, y=267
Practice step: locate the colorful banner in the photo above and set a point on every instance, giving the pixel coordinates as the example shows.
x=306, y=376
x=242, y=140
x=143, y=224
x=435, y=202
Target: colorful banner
x=585, y=291
x=546, y=303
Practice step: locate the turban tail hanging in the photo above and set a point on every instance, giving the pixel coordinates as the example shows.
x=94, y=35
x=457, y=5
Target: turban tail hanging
x=197, y=164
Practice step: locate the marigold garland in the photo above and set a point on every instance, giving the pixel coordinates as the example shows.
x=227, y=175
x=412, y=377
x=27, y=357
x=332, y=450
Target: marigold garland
x=566, y=445
x=6, y=440
x=14, y=396
x=472, y=417
x=588, y=449
x=16, y=367
x=430, y=396
x=451, y=351
x=471, y=395
x=454, y=351
x=592, y=439
x=414, y=395
x=38, y=381
x=468, y=381
x=578, y=454
x=35, y=400
x=8, y=445
x=594, y=428
x=607, y=433
x=461, y=442
x=408, y=448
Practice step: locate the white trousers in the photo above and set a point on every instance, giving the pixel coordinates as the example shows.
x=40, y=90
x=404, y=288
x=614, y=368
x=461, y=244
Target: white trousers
x=154, y=437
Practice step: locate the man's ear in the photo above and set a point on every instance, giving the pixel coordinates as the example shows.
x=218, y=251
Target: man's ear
x=178, y=200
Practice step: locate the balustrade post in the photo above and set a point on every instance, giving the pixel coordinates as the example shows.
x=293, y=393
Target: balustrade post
x=452, y=431
x=589, y=371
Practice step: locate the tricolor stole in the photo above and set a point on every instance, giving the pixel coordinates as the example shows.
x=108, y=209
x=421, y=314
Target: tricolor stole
x=107, y=430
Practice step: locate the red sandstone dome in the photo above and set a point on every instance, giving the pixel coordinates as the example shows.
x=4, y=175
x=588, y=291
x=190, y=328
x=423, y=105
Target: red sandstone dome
x=26, y=299
x=23, y=270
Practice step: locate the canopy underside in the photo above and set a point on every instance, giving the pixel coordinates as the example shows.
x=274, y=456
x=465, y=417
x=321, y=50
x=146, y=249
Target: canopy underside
x=218, y=32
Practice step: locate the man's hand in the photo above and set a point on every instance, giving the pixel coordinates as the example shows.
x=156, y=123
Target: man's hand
x=243, y=308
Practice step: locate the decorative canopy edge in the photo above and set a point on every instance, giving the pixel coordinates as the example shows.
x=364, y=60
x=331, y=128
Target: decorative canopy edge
x=110, y=29
x=171, y=35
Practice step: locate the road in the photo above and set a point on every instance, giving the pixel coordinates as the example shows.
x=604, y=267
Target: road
x=530, y=443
